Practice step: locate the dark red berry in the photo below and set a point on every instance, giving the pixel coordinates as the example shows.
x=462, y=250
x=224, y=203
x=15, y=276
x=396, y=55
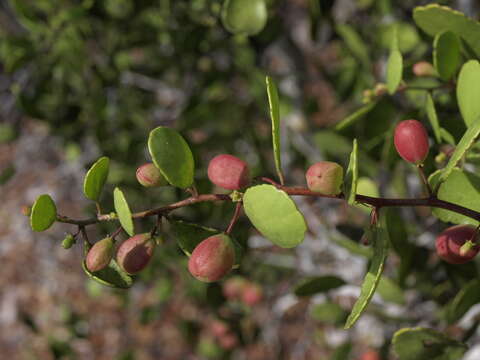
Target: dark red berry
x=450, y=241
x=134, y=254
x=228, y=172
x=411, y=141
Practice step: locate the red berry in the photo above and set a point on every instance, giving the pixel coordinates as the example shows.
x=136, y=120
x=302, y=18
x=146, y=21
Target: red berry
x=325, y=177
x=99, y=255
x=450, y=241
x=252, y=294
x=411, y=141
x=134, y=254
x=233, y=287
x=148, y=175
x=212, y=259
x=423, y=68
x=228, y=172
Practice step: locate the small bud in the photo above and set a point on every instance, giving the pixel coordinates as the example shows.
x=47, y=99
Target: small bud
x=380, y=89
x=325, y=177
x=149, y=176
x=26, y=210
x=68, y=242
x=423, y=68
x=212, y=259
x=134, y=254
x=99, y=255
x=367, y=96
x=233, y=287
x=252, y=294
x=228, y=172
x=450, y=242
x=411, y=141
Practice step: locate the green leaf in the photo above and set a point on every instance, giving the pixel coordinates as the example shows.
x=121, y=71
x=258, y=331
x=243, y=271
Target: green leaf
x=354, y=117
x=318, y=284
x=447, y=136
x=446, y=54
x=352, y=246
x=379, y=240
x=390, y=291
x=461, y=188
x=367, y=187
x=95, y=178
x=394, y=71
x=463, y=146
x=172, y=156
x=43, y=214
x=123, y=211
x=423, y=343
x=468, y=88
x=112, y=276
x=433, y=118
x=275, y=215
x=275, y=118
x=434, y=19
x=329, y=312
x=468, y=296
x=189, y=235
x=351, y=177
x=244, y=16
x=354, y=43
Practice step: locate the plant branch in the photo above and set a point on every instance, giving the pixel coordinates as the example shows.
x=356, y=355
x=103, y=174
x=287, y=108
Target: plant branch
x=235, y=217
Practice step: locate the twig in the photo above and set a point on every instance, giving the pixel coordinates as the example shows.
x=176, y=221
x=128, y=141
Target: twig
x=236, y=215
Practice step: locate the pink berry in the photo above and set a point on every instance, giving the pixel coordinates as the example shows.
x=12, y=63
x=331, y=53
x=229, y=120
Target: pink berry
x=450, y=241
x=99, y=255
x=423, y=68
x=233, y=287
x=148, y=175
x=411, y=141
x=325, y=177
x=252, y=294
x=228, y=172
x=212, y=259
x=134, y=254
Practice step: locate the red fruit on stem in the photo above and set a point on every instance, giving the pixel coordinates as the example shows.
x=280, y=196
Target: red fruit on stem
x=450, y=241
x=149, y=176
x=411, y=141
x=252, y=294
x=99, y=255
x=228, y=172
x=212, y=259
x=134, y=254
x=325, y=177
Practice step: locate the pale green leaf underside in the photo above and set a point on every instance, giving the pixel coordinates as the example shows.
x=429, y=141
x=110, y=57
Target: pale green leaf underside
x=434, y=19
x=318, y=284
x=95, y=178
x=378, y=237
x=423, y=343
x=123, y=211
x=275, y=118
x=394, y=71
x=275, y=215
x=461, y=188
x=468, y=88
x=112, y=276
x=433, y=118
x=351, y=176
x=172, y=156
x=44, y=213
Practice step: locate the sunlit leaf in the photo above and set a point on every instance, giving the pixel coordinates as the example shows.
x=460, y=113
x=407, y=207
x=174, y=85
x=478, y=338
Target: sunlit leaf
x=351, y=176
x=95, y=178
x=43, y=214
x=446, y=54
x=123, y=211
x=275, y=118
x=468, y=88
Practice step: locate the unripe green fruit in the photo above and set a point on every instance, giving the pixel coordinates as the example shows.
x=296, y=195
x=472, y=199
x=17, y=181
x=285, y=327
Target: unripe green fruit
x=99, y=255
x=134, y=254
x=149, y=176
x=423, y=68
x=244, y=16
x=450, y=242
x=325, y=177
x=411, y=141
x=212, y=259
x=68, y=242
x=228, y=172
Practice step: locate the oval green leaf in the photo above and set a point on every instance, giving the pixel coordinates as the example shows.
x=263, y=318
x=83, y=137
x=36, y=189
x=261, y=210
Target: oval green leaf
x=423, y=343
x=318, y=284
x=95, y=178
x=433, y=118
x=468, y=88
x=112, y=276
x=394, y=71
x=189, y=235
x=351, y=176
x=123, y=211
x=275, y=215
x=463, y=146
x=355, y=116
x=446, y=54
x=172, y=156
x=275, y=118
x=461, y=188
x=43, y=214
x=389, y=291
x=244, y=16
x=378, y=236
x=468, y=296
x=329, y=313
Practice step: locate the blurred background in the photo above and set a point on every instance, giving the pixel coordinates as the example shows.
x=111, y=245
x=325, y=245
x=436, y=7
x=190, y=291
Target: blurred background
x=84, y=79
